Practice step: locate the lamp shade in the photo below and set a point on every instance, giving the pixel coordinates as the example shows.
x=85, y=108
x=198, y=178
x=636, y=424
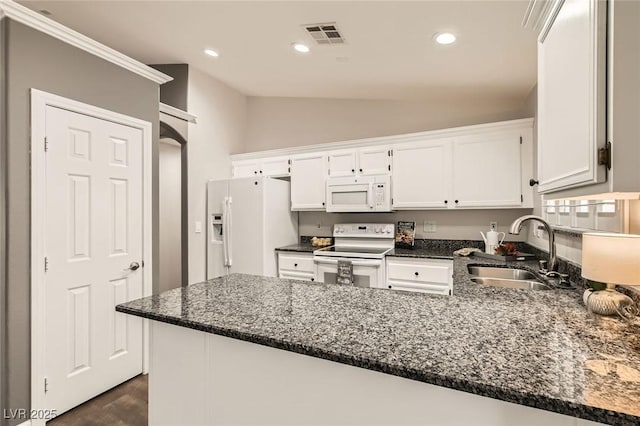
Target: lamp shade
x=611, y=258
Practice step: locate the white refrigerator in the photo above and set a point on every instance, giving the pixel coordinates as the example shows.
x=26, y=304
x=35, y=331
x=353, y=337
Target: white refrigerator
x=247, y=219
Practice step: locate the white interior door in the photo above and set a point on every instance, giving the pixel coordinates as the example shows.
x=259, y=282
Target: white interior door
x=94, y=233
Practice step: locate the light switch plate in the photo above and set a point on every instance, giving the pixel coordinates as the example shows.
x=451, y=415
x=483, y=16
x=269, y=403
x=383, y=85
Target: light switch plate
x=198, y=227
x=429, y=227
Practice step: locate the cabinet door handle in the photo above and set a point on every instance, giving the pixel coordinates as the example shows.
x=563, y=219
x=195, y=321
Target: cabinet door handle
x=295, y=265
x=446, y=201
x=389, y=286
x=255, y=172
x=323, y=203
x=416, y=274
x=313, y=279
x=260, y=171
x=353, y=170
x=456, y=201
x=360, y=170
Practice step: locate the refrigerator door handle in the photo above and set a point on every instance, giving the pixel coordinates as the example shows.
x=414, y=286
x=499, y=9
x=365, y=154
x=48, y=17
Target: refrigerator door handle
x=229, y=247
x=225, y=213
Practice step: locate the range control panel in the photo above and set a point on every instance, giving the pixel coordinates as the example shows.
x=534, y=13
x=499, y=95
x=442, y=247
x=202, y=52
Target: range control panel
x=364, y=230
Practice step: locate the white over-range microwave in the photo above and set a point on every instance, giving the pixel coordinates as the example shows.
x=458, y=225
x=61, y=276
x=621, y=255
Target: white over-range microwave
x=359, y=194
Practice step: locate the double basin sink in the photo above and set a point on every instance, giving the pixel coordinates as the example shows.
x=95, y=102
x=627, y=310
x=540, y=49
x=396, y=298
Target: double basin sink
x=506, y=277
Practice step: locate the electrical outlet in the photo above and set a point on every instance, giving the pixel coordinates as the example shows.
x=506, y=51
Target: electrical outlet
x=493, y=226
x=537, y=232
x=429, y=227
x=198, y=227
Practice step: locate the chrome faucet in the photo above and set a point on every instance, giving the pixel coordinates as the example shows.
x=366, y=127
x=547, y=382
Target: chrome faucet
x=517, y=225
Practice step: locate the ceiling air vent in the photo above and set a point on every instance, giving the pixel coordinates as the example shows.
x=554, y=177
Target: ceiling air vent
x=326, y=33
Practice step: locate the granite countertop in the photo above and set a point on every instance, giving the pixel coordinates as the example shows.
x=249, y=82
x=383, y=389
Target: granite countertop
x=535, y=348
x=301, y=247
x=427, y=252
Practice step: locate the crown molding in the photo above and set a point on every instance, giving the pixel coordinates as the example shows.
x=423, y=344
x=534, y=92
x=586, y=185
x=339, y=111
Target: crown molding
x=537, y=14
x=390, y=140
x=12, y=10
x=178, y=113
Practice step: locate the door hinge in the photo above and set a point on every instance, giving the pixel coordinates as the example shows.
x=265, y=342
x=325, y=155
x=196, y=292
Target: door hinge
x=389, y=153
x=604, y=156
x=392, y=153
x=46, y=144
x=46, y=264
x=289, y=162
x=289, y=169
x=142, y=263
x=329, y=172
x=521, y=198
x=389, y=167
x=46, y=385
x=520, y=140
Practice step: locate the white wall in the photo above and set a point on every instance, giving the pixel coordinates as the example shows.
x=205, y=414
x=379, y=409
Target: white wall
x=285, y=122
x=220, y=131
x=169, y=214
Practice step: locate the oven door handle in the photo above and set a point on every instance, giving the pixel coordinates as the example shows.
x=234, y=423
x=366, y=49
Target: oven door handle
x=355, y=262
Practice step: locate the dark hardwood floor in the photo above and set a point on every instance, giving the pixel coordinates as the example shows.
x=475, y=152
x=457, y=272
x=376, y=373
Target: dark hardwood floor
x=124, y=405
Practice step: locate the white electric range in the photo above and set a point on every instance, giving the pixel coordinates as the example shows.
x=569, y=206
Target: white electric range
x=364, y=246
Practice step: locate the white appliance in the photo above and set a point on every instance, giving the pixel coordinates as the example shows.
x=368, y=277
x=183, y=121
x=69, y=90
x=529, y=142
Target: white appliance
x=359, y=194
x=247, y=219
x=364, y=245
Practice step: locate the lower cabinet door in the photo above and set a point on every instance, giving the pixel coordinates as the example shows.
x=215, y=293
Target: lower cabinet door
x=420, y=275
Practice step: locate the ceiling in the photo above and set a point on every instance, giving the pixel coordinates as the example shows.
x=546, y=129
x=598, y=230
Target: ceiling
x=389, y=52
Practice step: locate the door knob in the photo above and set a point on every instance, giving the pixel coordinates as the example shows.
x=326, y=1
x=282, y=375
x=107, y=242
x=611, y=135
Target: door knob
x=134, y=266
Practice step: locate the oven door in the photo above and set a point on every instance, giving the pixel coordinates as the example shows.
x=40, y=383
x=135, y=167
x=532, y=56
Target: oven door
x=354, y=197
x=366, y=272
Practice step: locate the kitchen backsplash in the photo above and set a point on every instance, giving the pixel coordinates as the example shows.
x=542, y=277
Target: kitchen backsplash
x=454, y=225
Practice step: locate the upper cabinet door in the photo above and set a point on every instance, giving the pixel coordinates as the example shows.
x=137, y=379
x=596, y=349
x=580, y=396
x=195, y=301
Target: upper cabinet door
x=487, y=171
x=246, y=168
x=275, y=166
x=571, y=95
x=342, y=163
x=421, y=175
x=374, y=160
x=308, y=181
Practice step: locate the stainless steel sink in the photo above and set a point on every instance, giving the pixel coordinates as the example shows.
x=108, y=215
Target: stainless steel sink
x=508, y=283
x=502, y=273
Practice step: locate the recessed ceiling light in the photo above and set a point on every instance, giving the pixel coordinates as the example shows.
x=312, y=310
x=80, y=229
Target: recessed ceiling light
x=211, y=52
x=444, y=38
x=300, y=47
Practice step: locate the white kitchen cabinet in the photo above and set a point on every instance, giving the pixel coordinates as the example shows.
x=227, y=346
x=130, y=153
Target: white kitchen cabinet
x=486, y=171
x=271, y=166
x=298, y=266
x=342, y=163
x=308, y=181
x=572, y=95
x=421, y=175
x=245, y=168
x=364, y=161
x=420, y=275
x=374, y=160
x=275, y=166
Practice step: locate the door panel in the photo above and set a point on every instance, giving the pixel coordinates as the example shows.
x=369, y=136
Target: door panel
x=487, y=171
x=247, y=225
x=93, y=234
x=373, y=161
x=422, y=175
x=308, y=181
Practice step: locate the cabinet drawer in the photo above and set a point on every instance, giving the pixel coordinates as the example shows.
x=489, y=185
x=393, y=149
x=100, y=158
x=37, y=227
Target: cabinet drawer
x=419, y=287
x=287, y=262
x=419, y=271
x=302, y=276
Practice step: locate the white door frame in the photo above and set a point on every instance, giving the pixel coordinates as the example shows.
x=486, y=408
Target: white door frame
x=39, y=102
